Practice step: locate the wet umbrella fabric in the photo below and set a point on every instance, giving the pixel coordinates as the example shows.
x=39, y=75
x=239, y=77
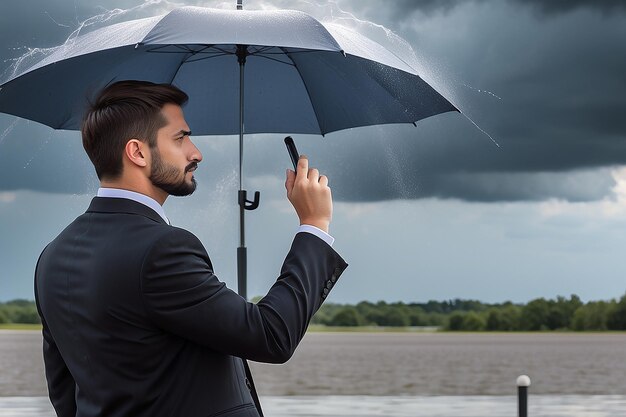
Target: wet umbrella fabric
x=300, y=76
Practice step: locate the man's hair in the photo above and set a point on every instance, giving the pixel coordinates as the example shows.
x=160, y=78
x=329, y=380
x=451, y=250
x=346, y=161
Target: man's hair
x=122, y=111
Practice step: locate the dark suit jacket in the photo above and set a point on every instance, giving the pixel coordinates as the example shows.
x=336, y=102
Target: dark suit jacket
x=135, y=323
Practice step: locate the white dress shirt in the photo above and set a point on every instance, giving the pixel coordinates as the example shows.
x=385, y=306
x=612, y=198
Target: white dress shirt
x=154, y=205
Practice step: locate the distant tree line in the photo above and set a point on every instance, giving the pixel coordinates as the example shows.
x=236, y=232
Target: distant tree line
x=19, y=311
x=455, y=315
x=472, y=315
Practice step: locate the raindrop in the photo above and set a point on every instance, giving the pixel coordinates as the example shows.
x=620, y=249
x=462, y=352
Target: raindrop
x=9, y=129
x=483, y=91
x=39, y=150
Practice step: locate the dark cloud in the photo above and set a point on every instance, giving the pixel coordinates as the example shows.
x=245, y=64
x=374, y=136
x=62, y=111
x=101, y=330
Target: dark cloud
x=401, y=9
x=562, y=6
x=487, y=187
x=30, y=24
x=559, y=121
x=34, y=157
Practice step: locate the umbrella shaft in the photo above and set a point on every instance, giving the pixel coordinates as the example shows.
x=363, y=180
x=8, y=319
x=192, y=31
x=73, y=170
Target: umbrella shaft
x=242, y=258
x=242, y=223
x=242, y=272
x=241, y=51
x=241, y=126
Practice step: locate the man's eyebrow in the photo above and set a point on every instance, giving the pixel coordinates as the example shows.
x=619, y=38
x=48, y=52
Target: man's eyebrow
x=182, y=132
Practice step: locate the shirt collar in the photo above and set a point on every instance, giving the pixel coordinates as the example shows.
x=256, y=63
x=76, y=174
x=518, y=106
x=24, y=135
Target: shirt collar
x=131, y=195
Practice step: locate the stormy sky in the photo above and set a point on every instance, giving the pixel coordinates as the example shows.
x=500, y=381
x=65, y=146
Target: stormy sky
x=522, y=195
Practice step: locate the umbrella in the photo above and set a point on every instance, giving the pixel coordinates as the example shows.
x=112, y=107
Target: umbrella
x=300, y=76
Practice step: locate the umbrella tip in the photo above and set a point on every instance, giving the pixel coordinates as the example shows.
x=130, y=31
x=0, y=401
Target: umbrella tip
x=239, y=4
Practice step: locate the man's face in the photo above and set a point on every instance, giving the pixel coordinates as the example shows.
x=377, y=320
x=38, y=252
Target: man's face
x=175, y=157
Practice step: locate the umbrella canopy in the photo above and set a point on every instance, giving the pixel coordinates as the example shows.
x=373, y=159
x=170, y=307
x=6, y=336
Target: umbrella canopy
x=301, y=76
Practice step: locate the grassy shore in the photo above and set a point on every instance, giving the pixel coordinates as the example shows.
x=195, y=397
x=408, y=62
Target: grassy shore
x=319, y=328
x=20, y=326
x=370, y=329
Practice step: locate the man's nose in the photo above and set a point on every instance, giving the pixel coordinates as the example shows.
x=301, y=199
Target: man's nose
x=196, y=155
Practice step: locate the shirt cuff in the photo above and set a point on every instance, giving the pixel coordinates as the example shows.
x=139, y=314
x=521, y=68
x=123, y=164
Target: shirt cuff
x=317, y=232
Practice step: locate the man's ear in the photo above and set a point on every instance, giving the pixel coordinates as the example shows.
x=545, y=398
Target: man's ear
x=137, y=152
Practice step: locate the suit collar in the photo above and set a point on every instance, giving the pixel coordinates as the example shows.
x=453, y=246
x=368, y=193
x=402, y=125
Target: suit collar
x=122, y=205
x=135, y=196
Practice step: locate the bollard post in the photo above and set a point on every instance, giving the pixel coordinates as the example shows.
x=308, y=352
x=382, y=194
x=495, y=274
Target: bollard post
x=523, y=382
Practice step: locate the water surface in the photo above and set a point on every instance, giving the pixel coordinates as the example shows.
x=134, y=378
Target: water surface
x=398, y=374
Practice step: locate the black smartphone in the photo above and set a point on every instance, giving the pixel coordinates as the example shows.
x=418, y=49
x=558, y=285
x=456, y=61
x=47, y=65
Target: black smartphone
x=293, y=152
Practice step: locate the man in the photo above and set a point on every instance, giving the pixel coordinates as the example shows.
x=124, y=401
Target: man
x=134, y=321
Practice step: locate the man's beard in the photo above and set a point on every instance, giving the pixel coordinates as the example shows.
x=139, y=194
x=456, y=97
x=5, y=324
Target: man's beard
x=166, y=177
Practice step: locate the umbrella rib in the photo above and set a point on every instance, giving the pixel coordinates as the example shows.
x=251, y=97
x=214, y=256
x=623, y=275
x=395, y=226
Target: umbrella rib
x=186, y=60
x=156, y=49
x=180, y=65
x=277, y=60
x=187, y=49
x=222, y=50
x=283, y=52
x=204, y=53
x=262, y=54
x=396, y=100
x=261, y=50
x=292, y=52
x=191, y=53
x=207, y=57
x=306, y=87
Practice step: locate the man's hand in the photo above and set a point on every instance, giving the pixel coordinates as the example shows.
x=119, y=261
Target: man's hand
x=310, y=195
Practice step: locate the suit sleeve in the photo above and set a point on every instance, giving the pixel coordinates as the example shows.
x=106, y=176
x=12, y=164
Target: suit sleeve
x=183, y=296
x=61, y=384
